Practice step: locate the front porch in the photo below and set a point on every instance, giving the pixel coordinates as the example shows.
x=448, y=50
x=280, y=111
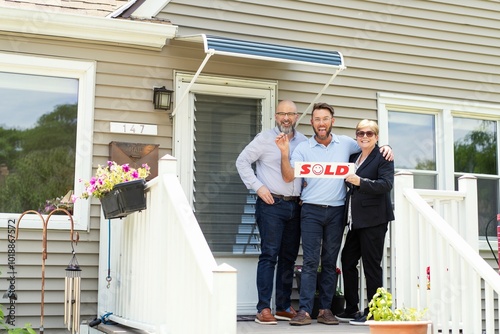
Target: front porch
x=169, y=281
x=245, y=327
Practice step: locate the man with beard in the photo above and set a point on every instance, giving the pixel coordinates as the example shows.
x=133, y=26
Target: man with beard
x=277, y=213
x=322, y=213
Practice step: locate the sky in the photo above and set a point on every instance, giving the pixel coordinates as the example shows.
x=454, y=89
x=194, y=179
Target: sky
x=24, y=98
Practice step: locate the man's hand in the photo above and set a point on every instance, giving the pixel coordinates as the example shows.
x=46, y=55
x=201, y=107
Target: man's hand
x=386, y=151
x=265, y=195
x=283, y=143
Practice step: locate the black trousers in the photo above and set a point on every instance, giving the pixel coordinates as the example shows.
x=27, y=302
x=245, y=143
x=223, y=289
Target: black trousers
x=367, y=244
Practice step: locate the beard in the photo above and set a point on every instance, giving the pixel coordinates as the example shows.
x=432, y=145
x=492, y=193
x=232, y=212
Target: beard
x=286, y=129
x=327, y=135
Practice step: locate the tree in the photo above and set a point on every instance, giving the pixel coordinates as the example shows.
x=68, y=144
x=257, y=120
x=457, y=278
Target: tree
x=42, y=164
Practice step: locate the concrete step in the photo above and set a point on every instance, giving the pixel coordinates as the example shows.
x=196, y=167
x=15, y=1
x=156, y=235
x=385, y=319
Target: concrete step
x=110, y=329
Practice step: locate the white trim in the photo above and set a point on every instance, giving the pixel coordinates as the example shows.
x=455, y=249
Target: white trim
x=444, y=110
x=85, y=72
x=150, y=8
x=183, y=122
x=96, y=29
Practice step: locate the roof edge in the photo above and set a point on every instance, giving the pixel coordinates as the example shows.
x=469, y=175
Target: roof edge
x=138, y=34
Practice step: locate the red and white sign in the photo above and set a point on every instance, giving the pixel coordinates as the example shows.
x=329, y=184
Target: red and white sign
x=323, y=169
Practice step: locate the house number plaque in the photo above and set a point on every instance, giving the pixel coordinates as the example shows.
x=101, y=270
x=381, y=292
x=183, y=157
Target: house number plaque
x=133, y=128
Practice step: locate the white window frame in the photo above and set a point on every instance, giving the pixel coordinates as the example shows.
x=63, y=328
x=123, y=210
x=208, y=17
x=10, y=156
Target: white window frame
x=215, y=85
x=445, y=109
x=84, y=72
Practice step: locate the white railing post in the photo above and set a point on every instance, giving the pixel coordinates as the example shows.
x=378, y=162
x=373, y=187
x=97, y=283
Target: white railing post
x=468, y=185
x=167, y=165
x=400, y=252
x=223, y=308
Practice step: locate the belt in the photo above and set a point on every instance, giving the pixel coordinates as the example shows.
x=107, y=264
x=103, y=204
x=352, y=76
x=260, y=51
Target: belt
x=321, y=205
x=287, y=198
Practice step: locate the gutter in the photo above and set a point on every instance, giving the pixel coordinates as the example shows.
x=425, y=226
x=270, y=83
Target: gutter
x=131, y=33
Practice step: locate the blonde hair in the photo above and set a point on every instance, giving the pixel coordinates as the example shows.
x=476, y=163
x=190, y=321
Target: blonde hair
x=368, y=124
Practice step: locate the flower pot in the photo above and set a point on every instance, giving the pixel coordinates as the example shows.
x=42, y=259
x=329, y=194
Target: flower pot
x=124, y=198
x=398, y=327
x=338, y=304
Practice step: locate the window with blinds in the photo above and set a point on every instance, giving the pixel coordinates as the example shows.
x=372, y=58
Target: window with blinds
x=224, y=207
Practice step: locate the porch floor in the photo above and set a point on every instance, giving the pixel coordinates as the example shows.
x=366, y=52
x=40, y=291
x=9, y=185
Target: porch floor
x=245, y=327
x=283, y=327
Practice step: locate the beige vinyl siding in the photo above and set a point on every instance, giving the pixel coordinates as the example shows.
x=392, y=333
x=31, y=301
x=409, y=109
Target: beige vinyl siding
x=28, y=268
x=413, y=47
x=124, y=87
x=429, y=48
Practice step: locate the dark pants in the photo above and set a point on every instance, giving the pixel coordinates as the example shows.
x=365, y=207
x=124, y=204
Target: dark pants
x=322, y=231
x=279, y=228
x=367, y=244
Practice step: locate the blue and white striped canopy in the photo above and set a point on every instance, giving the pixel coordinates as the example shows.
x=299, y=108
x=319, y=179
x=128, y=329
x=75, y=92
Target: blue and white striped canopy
x=265, y=51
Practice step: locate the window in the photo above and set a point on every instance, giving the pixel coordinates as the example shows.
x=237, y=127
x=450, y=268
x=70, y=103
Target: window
x=217, y=120
x=420, y=130
x=46, y=136
x=440, y=140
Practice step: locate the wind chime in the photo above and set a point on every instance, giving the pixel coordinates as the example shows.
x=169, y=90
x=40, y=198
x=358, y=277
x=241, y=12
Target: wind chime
x=72, y=290
x=74, y=236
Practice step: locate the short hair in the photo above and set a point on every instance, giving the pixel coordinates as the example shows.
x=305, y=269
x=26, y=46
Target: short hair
x=365, y=123
x=323, y=105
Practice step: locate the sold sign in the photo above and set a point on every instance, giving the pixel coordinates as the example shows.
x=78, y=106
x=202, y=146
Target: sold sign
x=323, y=169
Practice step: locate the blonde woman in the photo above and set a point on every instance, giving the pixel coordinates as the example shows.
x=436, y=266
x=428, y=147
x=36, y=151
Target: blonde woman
x=368, y=212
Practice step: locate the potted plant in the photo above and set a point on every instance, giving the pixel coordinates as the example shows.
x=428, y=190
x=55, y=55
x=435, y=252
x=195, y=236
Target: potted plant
x=63, y=202
x=120, y=188
x=399, y=321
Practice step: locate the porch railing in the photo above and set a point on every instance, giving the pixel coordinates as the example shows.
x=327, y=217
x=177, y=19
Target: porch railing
x=437, y=264
x=166, y=279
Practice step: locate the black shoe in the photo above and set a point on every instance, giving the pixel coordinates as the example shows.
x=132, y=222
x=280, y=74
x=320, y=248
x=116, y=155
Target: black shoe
x=346, y=317
x=359, y=320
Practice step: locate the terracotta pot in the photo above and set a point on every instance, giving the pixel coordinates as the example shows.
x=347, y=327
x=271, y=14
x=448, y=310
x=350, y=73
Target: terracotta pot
x=398, y=327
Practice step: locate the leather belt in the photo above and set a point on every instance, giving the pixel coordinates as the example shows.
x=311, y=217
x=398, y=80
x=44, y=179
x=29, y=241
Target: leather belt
x=287, y=198
x=321, y=205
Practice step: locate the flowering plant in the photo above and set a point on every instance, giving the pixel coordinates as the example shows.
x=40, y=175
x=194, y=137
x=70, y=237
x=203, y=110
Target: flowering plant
x=55, y=203
x=62, y=202
x=108, y=176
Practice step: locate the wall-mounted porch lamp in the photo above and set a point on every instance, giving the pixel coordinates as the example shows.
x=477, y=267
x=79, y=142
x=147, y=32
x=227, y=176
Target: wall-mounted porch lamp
x=162, y=98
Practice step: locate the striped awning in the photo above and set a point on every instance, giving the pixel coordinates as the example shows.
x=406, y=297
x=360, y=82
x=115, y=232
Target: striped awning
x=265, y=51
x=216, y=45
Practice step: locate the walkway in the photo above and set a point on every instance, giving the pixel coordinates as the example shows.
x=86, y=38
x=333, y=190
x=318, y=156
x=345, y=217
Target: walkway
x=251, y=327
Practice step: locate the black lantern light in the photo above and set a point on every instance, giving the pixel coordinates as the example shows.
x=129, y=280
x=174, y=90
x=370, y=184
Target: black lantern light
x=162, y=98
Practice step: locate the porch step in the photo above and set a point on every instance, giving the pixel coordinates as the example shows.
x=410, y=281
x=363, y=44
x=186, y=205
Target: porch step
x=112, y=329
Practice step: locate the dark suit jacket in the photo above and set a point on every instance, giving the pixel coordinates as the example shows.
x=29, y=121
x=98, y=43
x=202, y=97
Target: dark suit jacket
x=371, y=201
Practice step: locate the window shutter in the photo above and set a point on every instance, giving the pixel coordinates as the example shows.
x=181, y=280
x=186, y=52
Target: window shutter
x=224, y=207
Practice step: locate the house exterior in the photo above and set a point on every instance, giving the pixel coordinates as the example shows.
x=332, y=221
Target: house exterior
x=427, y=71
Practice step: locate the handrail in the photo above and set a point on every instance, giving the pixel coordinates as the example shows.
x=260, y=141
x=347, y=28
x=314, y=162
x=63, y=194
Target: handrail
x=437, y=260
x=455, y=240
x=164, y=267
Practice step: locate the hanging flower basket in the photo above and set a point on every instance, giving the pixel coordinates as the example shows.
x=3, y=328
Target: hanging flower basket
x=120, y=188
x=124, y=198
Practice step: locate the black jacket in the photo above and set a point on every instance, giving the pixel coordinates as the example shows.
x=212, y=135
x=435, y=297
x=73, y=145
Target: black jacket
x=371, y=200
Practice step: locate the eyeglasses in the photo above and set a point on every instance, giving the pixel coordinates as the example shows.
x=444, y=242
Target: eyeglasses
x=324, y=120
x=361, y=134
x=289, y=114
